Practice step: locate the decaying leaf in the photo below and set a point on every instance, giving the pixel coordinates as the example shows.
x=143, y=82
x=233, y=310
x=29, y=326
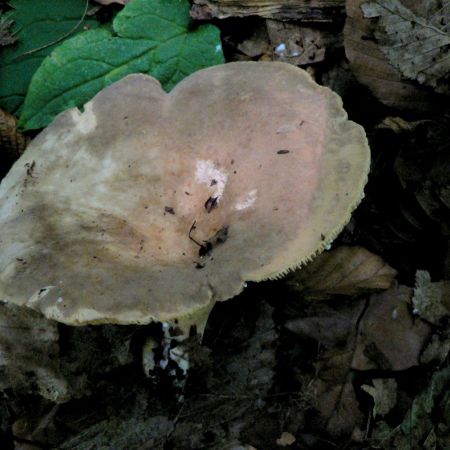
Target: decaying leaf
x=384, y=394
x=389, y=338
x=431, y=300
x=329, y=326
x=329, y=388
x=420, y=422
x=337, y=405
x=257, y=45
x=416, y=44
x=343, y=271
x=372, y=68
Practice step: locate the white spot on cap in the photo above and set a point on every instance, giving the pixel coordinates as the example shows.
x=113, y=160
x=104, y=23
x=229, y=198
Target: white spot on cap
x=206, y=172
x=285, y=129
x=85, y=121
x=248, y=201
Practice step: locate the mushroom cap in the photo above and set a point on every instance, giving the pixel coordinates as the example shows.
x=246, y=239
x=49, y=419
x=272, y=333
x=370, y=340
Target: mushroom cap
x=150, y=205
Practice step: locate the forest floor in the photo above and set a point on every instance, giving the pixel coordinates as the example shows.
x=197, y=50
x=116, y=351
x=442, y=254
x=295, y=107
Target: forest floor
x=351, y=352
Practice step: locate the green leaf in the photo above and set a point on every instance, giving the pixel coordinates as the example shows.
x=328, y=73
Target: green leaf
x=149, y=36
x=39, y=26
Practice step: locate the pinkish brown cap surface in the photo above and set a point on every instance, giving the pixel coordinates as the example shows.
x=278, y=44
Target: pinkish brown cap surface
x=153, y=206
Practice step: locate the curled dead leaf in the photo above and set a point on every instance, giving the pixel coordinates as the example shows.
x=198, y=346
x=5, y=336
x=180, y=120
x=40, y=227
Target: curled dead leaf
x=344, y=271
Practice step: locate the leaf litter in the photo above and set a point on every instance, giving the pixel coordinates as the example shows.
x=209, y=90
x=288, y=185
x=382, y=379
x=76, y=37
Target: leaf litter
x=349, y=351
x=416, y=43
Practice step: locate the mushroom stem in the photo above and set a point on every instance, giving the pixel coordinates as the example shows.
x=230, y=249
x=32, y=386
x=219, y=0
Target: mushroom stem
x=195, y=322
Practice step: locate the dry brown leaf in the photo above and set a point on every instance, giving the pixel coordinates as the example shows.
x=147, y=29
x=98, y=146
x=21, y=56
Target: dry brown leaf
x=331, y=391
x=257, y=44
x=331, y=327
x=415, y=42
x=389, y=337
x=372, y=68
x=338, y=406
x=344, y=271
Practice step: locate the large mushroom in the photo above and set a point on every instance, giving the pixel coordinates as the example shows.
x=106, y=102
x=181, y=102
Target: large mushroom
x=153, y=206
